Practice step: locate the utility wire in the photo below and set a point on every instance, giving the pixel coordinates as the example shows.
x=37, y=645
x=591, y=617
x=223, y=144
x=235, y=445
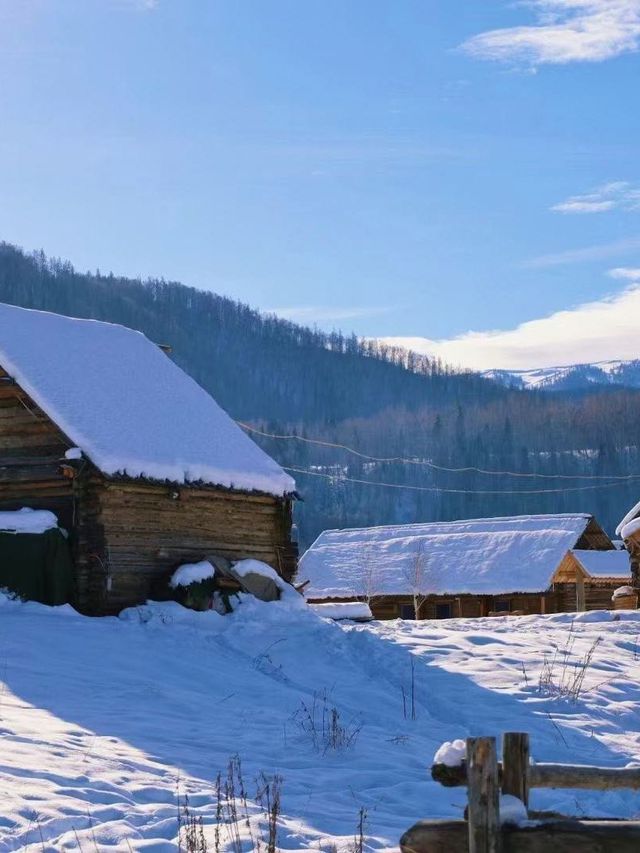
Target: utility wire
x=427, y=464
x=344, y=479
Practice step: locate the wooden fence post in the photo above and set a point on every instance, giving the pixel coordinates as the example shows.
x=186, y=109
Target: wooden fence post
x=484, y=805
x=515, y=765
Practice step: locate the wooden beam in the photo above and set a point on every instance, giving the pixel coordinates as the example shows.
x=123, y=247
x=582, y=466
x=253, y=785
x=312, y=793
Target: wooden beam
x=562, y=836
x=553, y=776
x=582, y=776
x=484, y=809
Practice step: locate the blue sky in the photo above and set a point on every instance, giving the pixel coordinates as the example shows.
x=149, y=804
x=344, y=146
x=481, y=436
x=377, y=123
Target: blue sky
x=418, y=169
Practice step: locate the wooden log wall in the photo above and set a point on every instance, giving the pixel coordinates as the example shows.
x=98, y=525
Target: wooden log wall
x=148, y=530
x=467, y=606
x=31, y=448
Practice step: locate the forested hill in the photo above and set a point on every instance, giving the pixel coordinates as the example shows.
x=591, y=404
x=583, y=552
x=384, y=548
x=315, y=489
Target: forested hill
x=256, y=366
x=382, y=402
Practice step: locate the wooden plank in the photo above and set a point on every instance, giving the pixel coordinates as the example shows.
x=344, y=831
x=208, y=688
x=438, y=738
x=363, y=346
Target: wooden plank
x=554, y=776
x=482, y=782
x=515, y=765
x=582, y=776
x=564, y=836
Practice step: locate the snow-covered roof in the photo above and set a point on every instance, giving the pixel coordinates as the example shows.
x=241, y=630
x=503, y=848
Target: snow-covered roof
x=130, y=409
x=630, y=524
x=604, y=564
x=489, y=556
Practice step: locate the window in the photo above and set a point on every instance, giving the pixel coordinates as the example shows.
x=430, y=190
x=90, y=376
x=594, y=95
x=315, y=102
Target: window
x=502, y=605
x=407, y=611
x=443, y=611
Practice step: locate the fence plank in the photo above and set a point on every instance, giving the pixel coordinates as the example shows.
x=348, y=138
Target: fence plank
x=482, y=781
x=564, y=836
x=553, y=776
x=515, y=765
x=582, y=776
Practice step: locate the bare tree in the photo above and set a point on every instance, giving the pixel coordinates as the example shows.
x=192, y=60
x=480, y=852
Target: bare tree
x=418, y=576
x=369, y=574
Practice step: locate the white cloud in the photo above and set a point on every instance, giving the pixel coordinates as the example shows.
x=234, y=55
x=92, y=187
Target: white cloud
x=323, y=313
x=565, y=31
x=618, y=194
x=625, y=273
x=595, y=331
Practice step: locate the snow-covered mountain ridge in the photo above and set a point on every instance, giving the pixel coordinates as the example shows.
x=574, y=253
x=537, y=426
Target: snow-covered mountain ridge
x=571, y=377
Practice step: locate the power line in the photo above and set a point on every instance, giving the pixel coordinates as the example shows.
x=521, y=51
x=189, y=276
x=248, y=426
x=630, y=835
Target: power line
x=344, y=479
x=432, y=465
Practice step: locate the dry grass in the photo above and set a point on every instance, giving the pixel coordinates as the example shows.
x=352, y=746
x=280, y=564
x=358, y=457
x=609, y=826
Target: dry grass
x=322, y=723
x=563, y=673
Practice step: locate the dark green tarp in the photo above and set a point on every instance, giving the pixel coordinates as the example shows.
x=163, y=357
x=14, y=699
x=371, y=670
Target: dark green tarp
x=37, y=566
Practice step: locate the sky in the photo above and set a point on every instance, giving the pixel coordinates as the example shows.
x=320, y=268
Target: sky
x=461, y=177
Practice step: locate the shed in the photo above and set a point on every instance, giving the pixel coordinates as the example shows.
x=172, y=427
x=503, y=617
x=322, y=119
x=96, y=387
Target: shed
x=629, y=532
x=140, y=465
x=460, y=568
x=592, y=577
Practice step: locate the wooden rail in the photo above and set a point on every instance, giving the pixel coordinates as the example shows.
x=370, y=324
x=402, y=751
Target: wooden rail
x=552, y=776
x=485, y=778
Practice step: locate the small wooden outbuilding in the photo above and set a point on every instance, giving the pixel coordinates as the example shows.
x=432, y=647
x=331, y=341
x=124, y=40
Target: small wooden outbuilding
x=139, y=464
x=629, y=531
x=476, y=567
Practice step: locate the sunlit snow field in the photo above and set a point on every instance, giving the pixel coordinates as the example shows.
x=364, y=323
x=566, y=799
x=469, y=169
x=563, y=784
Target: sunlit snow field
x=106, y=722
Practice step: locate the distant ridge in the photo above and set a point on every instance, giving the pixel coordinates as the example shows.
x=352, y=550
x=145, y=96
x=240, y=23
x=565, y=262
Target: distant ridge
x=571, y=377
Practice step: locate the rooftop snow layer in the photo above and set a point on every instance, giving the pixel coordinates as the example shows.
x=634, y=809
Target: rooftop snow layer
x=130, y=409
x=634, y=512
x=604, y=564
x=488, y=556
x=27, y=520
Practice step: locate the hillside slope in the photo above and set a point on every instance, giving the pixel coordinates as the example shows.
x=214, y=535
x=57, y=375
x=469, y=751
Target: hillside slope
x=107, y=722
x=420, y=418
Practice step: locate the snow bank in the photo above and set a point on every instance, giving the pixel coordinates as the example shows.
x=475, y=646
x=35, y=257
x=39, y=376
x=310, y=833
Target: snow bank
x=192, y=573
x=512, y=810
x=452, y=753
x=27, y=520
x=98, y=752
x=491, y=556
x=343, y=610
x=130, y=409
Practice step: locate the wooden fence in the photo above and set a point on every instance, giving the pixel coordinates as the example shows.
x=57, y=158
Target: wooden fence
x=486, y=778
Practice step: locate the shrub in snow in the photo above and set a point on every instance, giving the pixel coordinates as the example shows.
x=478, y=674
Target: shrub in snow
x=321, y=721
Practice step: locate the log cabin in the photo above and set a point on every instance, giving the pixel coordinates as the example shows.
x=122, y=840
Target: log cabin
x=478, y=567
x=629, y=531
x=139, y=464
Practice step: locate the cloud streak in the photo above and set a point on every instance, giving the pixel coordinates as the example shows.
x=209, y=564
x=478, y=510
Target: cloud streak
x=565, y=31
x=619, y=195
x=599, y=252
x=625, y=273
x=596, y=331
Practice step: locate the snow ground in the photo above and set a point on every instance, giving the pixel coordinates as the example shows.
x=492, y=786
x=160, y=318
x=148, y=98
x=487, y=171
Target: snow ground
x=104, y=720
